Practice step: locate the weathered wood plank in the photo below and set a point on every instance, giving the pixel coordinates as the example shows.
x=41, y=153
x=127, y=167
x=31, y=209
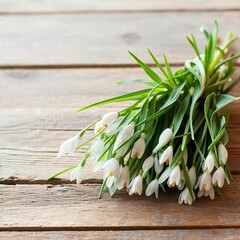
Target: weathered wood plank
x=30, y=6
x=85, y=39
x=42, y=206
x=197, y=234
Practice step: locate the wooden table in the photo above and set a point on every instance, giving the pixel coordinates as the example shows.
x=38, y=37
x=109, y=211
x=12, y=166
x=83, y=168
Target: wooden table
x=59, y=55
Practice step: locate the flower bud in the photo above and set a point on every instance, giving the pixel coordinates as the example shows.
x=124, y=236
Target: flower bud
x=164, y=138
x=222, y=153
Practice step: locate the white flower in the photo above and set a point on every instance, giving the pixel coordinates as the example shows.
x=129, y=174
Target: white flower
x=126, y=133
x=137, y=186
x=222, y=153
x=182, y=181
x=124, y=178
x=167, y=155
x=139, y=147
x=218, y=177
x=209, y=193
x=152, y=188
x=164, y=176
x=77, y=174
x=115, y=127
x=185, y=197
x=110, y=181
x=69, y=146
x=209, y=163
x=158, y=168
x=109, y=118
x=97, y=149
x=164, y=138
x=106, y=121
x=192, y=175
x=111, y=168
x=174, y=177
x=205, y=182
x=148, y=163
x=97, y=166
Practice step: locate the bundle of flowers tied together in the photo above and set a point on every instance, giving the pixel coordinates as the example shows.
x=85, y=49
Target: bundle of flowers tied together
x=173, y=135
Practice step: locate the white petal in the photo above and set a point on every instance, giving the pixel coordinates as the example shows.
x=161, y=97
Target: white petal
x=165, y=175
x=109, y=118
x=138, y=148
x=209, y=163
x=69, y=146
x=167, y=155
x=148, y=163
x=222, y=153
x=164, y=138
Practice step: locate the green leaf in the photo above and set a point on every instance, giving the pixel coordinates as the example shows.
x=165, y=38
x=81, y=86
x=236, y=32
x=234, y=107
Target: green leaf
x=180, y=114
x=133, y=96
x=232, y=85
x=171, y=100
x=158, y=64
x=154, y=76
x=195, y=97
x=177, y=157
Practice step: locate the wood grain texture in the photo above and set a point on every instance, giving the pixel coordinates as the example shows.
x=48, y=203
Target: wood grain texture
x=44, y=6
x=85, y=39
x=197, y=234
x=69, y=206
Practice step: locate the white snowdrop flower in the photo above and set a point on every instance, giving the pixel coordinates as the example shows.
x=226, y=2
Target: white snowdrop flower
x=111, y=168
x=115, y=127
x=205, y=182
x=109, y=118
x=137, y=186
x=165, y=175
x=110, y=181
x=222, y=153
x=218, y=177
x=98, y=127
x=158, y=167
x=124, y=178
x=139, y=147
x=192, y=175
x=182, y=181
x=174, y=177
x=185, y=156
x=122, y=151
x=209, y=163
x=167, y=155
x=164, y=138
x=185, y=197
x=148, y=163
x=97, y=165
x=126, y=133
x=205, y=193
x=77, y=174
x=69, y=146
x=152, y=188
x=97, y=149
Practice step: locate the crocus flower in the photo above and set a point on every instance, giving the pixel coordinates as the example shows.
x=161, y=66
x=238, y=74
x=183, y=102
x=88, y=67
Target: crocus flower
x=164, y=138
x=77, y=174
x=167, y=155
x=222, y=153
x=152, y=188
x=69, y=146
x=218, y=177
x=139, y=147
x=137, y=186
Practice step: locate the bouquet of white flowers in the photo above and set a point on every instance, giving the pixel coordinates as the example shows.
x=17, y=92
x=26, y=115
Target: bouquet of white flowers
x=173, y=135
